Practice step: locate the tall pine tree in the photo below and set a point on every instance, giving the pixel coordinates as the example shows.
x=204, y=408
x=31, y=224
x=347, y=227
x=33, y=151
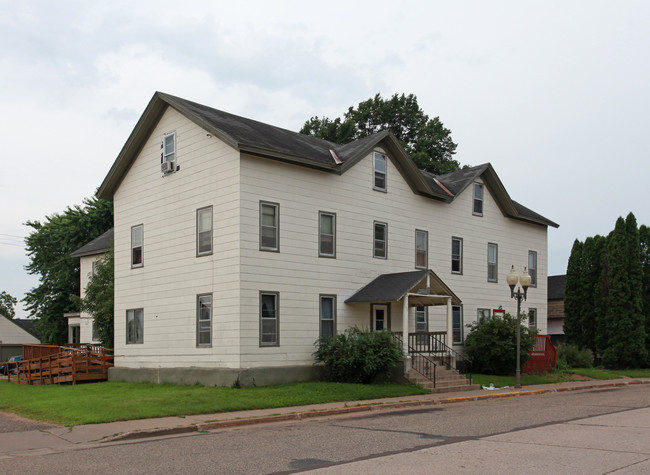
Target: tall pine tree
x=644, y=248
x=574, y=300
x=592, y=256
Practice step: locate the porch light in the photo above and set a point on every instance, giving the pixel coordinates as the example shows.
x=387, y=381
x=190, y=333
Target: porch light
x=513, y=278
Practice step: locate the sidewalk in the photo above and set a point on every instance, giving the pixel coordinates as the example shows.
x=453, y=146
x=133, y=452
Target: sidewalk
x=59, y=438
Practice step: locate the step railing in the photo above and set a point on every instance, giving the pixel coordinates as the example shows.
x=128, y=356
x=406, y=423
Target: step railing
x=420, y=362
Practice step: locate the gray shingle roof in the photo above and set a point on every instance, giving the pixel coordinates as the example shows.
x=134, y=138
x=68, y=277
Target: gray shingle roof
x=257, y=138
x=556, y=285
x=99, y=245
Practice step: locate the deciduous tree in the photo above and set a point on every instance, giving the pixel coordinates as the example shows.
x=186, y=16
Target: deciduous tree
x=7, y=304
x=427, y=140
x=48, y=248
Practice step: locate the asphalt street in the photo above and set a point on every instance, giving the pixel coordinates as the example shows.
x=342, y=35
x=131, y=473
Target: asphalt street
x=588, y=431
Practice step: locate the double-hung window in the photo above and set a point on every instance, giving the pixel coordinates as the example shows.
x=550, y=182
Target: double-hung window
x=379, y=170
x=269, y=322
x=169, y=148
x=421, y=320
x=204, y=320
x=326, y=234
x=269, y=226
x=457, y=323
x=456, y=255
x=380, y=241
x=532, y=268
x=204, y=231
x=134, y=326
x=421, y=244
x=137, y=239
x=492, y=262
x=327, y=315
x=478, y=199
x=532, y=318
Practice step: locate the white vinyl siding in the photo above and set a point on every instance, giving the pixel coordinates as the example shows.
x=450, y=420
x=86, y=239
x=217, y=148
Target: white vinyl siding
x=204, y=231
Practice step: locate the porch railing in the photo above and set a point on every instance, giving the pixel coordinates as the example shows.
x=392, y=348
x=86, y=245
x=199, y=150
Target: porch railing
x=434, y=345
x=420, y=362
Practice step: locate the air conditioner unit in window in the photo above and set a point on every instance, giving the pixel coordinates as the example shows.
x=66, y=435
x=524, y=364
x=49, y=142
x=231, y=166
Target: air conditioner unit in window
x=167, y=167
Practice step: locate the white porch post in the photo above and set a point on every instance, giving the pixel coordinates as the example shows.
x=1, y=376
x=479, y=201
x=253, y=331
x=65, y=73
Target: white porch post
x=405, y=324
x=450, y=325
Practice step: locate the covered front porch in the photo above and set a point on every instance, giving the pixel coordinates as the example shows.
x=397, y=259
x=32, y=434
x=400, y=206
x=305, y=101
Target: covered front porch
x=403, y=291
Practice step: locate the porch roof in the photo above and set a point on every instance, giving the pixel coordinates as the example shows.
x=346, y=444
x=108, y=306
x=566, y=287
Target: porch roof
x=393, y=287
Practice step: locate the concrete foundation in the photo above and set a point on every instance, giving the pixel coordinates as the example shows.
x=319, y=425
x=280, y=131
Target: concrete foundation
x=263, y=376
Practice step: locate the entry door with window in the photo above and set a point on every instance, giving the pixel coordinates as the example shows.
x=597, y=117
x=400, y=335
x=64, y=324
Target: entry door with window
x=380, y=317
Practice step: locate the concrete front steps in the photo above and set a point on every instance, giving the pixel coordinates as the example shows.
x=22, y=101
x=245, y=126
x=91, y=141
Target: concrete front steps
x=447, y=380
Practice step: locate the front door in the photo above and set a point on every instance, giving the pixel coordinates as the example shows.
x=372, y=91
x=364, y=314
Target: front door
x=380, y=317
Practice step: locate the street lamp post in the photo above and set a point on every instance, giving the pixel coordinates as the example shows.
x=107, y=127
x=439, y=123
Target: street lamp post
x=512, y=279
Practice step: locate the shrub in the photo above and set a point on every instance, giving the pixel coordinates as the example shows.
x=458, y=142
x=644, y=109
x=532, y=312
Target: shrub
x=358, y=356
x=492, y=345
x=573, y=357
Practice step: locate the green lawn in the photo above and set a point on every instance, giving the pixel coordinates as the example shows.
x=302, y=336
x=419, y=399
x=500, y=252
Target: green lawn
x=532, y=379
x=114, y=401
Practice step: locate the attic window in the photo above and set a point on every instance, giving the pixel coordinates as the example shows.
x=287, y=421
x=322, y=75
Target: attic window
x=478, y=199
x=379, y=169
x=169, y=148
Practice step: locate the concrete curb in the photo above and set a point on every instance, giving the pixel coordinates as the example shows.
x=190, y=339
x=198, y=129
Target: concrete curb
x=297, y=416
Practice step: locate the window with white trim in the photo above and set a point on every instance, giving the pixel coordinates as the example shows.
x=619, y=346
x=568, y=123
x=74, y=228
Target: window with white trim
x=492, y=262
x=483, y=314
x=380, y=240
x=269, y=226
x=327, y=315
x=421, y=251
x=204, y=231
x=478, y=199
x=137, y=241
x=326, y=234
x=379, y=171
x=456, y=255
x=269, y=322
x=169, y=148
x=532, y=267
x=421, y=319
x=532, y=318
x=457, y=323
x=204, y=320
x=134, y=326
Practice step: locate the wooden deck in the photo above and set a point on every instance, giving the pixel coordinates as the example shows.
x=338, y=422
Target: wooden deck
x=62, y=364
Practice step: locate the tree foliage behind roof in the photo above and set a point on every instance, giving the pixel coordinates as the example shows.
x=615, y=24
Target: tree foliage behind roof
x=7, y=304
x=48, y=248
x=427, y=140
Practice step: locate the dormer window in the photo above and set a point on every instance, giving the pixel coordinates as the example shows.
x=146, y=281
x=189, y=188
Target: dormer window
x=379, y=169
x=478, y=199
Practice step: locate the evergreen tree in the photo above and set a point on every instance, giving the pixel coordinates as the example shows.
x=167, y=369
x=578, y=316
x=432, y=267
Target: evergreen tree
x=626, y=330
x=592, y=255
x=574, y=301
x=644, y=247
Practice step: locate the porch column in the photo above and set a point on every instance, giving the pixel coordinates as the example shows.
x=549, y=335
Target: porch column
x=405, y=324
x=450, y=325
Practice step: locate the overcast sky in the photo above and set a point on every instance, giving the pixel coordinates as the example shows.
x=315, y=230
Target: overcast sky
x=555, y=94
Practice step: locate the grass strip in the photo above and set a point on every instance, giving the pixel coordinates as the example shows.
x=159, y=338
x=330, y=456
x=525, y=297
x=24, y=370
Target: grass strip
x=92, y=403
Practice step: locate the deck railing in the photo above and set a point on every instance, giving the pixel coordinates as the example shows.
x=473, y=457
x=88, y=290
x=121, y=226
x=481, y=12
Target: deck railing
x=543, y=357
x=66, y=365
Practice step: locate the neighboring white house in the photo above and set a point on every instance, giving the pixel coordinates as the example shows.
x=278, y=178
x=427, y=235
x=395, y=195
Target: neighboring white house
x=81, y=328
x=238, y=243
x=14, y=333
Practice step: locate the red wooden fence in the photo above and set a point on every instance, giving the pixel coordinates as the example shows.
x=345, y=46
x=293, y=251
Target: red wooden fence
x=543, y=357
